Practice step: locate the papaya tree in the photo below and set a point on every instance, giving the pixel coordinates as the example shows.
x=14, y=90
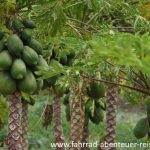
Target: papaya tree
x=18, y=63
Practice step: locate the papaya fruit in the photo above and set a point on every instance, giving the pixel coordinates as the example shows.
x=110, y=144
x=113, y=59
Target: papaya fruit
x=28, y=84
x=67, y=111
x=141, y=128
x=98, y=115
x=28, y=23
x=30, y=57
x=26, y=35
x=42, y=62
x=88, y=105
x=18, y=69
x=1, y=35
x=63, y=60
x=2, y=45
x=15, y=45
x=16, y=24
x=66, y=99
x=59, y=90
x=7, y=84
x=96, y=90
x=5, y=60
x=36, y=45
x=39, y=85
x=101, y=104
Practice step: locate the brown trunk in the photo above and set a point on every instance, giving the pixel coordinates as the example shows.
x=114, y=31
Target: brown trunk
x=24, y=122
x=77, y=118
x=111, y=108
x=14, y=122
x=58, y=130
x=85, y=136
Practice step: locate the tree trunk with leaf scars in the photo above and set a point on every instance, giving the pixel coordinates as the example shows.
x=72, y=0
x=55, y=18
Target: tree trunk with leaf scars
x=58, y=129
x=111, y=109
x=85, y=134
x=77, y=117
x=14, y=122
x=24, y=122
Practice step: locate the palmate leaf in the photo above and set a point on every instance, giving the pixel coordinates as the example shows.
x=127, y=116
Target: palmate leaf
x=124, y=49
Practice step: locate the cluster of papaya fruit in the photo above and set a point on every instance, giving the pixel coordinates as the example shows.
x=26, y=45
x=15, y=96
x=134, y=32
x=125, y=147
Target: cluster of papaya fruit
x=95, y=106
x=142, y=127
x=20, y=57
x=58, y=54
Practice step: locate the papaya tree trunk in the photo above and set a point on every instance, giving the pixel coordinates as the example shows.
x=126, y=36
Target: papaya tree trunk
x=85, y=135
x=77, y=118
x=58, y=129
x=111, y=110
x=24, y=122
x=14, y=122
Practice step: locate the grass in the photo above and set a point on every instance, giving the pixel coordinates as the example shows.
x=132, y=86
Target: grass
x=40, y=138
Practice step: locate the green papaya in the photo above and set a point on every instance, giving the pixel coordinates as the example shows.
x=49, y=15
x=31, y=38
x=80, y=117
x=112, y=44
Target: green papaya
x=63, y=60
x=7, y=84
x=34, y=44
x=88, y=105
x=18, y=69
x=5, y=60
x=141, y=128
x=1, y=35
x=39, y=85
x=59, y=90
x=28, y=23
x=30, y=57
x=26, y=35
x=42, y=62
x=98, y=115
x=66, y=99
x=28, y=84
x=96, y=90
x=15, y=45
x=67, y=110
x=101, y=104
x=2, y=45
x=16, y=24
